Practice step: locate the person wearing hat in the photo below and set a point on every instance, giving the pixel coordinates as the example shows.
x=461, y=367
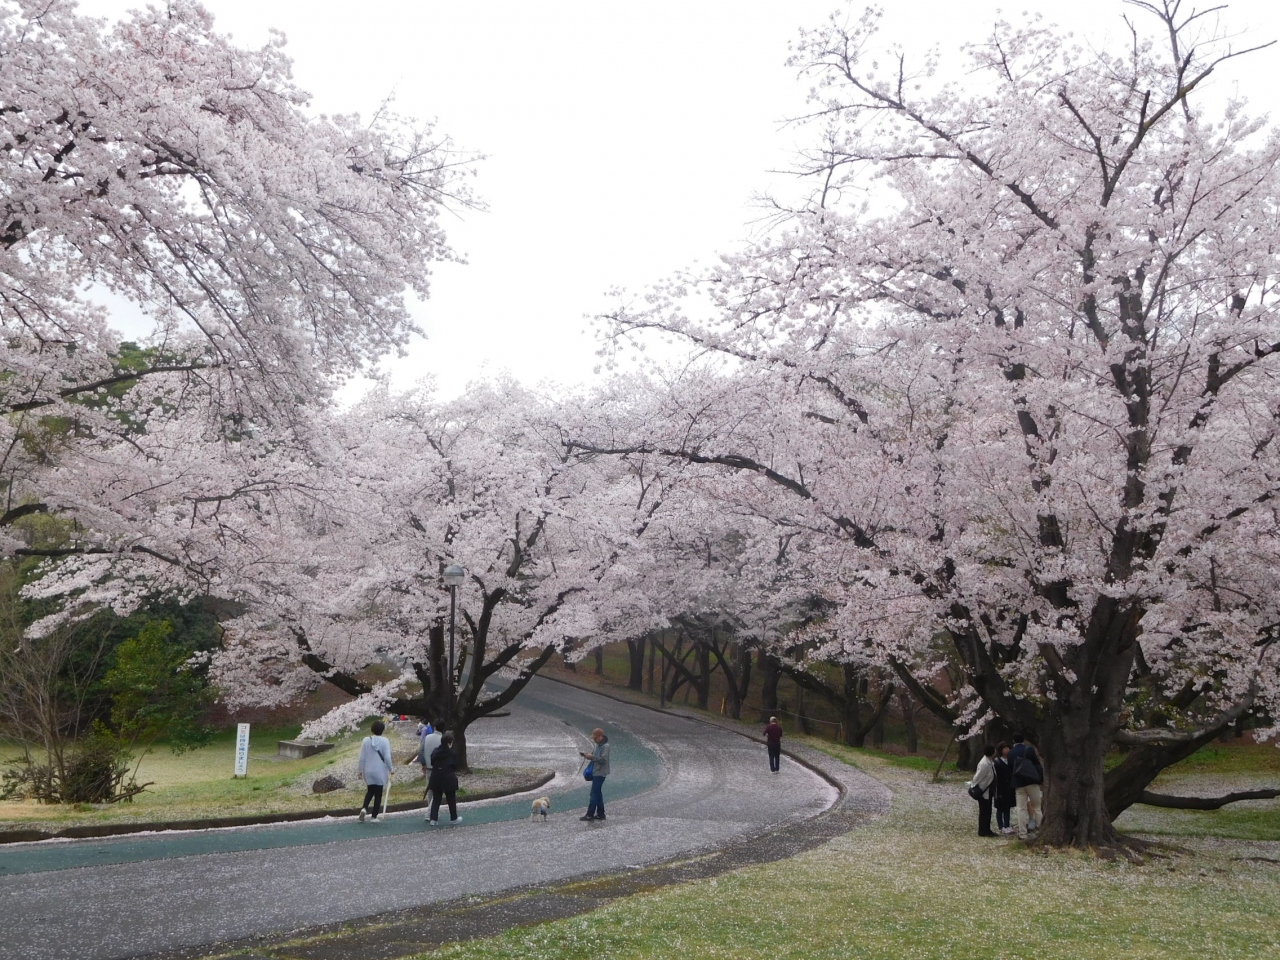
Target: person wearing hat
x=599, y=759
x=773, y=736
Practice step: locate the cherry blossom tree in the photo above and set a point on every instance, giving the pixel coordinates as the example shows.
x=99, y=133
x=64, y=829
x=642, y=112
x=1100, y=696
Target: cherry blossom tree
x=152, y=162
x=1021, y=395
x=347, y=582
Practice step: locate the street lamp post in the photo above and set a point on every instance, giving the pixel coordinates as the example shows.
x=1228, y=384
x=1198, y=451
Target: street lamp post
x=454, y=576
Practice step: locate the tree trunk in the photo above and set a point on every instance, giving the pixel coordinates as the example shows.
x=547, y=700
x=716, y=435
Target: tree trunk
x=599, y=661
x=460, y=747
x=635, y=653
x=1126, y=781
x=703, y=685
x=652, y=652
x=744, y=658
x=1074, y=801
x=909, y=721
x=769, y=673
x=850, y=703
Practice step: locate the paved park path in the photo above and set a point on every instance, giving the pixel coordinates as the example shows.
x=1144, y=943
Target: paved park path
x=679, y=787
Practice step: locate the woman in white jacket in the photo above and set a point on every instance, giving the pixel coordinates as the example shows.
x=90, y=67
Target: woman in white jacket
x=374, y=769
x=983, y=784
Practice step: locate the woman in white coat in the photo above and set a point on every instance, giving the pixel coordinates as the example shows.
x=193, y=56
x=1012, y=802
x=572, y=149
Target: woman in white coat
x=375, y=770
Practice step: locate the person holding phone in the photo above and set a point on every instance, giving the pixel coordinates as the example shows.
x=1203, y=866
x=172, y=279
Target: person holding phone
x=599, y=770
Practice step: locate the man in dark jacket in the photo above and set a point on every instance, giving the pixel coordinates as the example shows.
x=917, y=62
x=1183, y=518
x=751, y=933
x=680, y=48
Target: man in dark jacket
x=773, y=737
x=1028, y=774
x=444, y=779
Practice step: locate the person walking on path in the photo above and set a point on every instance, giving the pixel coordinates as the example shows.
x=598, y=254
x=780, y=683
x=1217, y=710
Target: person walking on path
x=1005, y=798
x=773, y=737
x=444, y=780
x=599, y=770
x=428, y=740
x=375, y=769
x=983, y=784
x=1028, y=774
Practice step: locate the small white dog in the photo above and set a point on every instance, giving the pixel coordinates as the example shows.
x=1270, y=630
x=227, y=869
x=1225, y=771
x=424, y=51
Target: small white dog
x=541, y=806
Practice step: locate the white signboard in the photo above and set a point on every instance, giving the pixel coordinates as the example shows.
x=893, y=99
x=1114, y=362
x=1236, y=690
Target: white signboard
x=242, y=750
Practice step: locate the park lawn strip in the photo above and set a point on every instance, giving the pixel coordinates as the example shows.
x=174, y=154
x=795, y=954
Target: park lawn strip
x=919, y=883
x=198, y=784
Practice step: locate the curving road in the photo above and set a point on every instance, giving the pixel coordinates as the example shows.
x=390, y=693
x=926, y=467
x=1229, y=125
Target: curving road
x=679, y=786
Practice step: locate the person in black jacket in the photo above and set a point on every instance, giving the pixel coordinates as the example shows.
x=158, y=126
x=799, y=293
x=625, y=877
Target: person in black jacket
x=1004, y=788
x=1028, y=774
x=444, y=780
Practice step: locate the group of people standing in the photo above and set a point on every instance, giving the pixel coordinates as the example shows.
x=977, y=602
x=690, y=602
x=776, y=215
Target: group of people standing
x=435, y=755
x=1008, y=776
x=439, y=764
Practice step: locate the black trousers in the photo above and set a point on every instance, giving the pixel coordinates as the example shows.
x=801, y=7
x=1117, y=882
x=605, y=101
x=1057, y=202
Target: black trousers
x=775, y=756
x=450, y=797
x=373, y=792
x=984, y=817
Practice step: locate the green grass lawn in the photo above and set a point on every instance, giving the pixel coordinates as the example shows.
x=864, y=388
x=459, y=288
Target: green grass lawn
x=918, y=883
x=199, y=784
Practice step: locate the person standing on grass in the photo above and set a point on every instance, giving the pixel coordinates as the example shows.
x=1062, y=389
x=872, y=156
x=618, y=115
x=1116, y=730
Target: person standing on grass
x=599, y=770
x=984, y=779
x=1028, y=774
x=444, y=780
x=375, y=769
x=1005, y=798
x=773, y=737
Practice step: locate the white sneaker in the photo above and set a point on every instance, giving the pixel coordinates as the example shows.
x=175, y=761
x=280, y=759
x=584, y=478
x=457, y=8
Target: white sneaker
x=456, y=820
x=363, y=813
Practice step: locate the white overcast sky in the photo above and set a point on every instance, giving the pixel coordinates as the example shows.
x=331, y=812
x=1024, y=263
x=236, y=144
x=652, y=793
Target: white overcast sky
x=623, y=140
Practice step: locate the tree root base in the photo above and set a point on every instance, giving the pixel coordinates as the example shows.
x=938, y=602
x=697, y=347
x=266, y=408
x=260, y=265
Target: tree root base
x=1132, y=849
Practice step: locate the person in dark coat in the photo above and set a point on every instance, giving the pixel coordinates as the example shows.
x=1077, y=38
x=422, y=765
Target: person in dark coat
x=444, y=780
x=773, y=737
x=1004, y=788
x=1028, y=774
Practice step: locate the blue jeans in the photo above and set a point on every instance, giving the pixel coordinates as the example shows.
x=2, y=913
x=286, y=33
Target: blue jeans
x=595, y=806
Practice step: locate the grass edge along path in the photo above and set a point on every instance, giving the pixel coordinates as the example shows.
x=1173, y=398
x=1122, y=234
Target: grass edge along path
x=919, y=883
x=535, y=780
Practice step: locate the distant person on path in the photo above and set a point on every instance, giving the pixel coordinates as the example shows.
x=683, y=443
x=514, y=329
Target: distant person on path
x=375, y=769
x=444, y=780
x=984, y=781
x=1005, y=798
x=773, y=736
x=599, y=770
x=1028, y=774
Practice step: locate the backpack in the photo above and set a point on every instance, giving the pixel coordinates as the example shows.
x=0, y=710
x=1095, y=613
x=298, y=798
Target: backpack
x=1026, y=768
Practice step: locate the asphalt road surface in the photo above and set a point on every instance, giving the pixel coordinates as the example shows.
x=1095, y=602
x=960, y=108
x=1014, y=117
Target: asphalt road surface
x=678, y=786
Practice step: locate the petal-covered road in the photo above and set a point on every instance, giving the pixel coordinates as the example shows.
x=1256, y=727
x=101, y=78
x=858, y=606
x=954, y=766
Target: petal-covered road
x=678, y=786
